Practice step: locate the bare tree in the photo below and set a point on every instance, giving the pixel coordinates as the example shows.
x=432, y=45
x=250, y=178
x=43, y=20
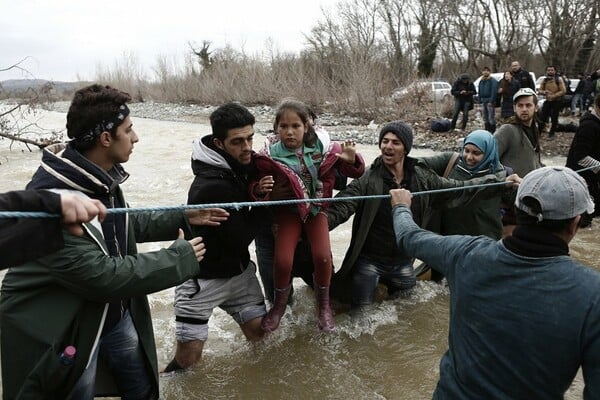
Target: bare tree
x=570, y=33
x=15, y=122
x=205, y=58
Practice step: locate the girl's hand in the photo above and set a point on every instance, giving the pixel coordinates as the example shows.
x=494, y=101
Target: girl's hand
x=348, y=153
x=265, y=185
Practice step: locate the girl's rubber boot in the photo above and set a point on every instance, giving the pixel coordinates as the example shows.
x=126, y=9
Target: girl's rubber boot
x=271, y=321
x=326, y=322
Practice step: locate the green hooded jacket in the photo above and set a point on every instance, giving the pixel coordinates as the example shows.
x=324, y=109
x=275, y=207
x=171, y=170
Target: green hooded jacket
x=364, y=211
x=62, y=299
x=481, y=216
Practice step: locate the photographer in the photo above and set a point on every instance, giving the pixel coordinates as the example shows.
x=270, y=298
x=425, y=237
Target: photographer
x=553, y=87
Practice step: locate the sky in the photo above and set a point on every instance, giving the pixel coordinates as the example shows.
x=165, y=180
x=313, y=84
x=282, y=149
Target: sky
x=64, y=40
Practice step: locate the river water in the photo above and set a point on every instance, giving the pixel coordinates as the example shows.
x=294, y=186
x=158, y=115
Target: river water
x=392, y=352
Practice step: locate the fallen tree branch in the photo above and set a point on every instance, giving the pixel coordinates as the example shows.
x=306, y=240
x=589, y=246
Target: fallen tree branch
x=41, y=143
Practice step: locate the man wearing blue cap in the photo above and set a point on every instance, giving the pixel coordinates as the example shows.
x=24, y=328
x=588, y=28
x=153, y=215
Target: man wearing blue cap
x=524, y=316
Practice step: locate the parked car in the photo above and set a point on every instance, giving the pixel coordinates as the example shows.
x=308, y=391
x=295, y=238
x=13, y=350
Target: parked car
x=421, y=91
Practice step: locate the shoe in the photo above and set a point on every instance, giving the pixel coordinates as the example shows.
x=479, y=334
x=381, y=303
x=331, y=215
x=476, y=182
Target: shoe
x=458, y=130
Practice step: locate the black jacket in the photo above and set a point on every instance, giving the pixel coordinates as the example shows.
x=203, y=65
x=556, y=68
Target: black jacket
x=219, y=179
x=459, y=86
x=25, y=239
x=586, y=143
x=524, y=78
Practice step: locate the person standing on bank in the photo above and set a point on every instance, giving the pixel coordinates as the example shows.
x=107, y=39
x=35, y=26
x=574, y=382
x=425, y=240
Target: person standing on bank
x=222, y=163
x=522, y=76
x=585, y=153
x=507, y=88
x=488, y=91
x=553, y=87
x=462, y=90
x=299, y=164
x=519, y=144
x=91, y=294
x=524, y=316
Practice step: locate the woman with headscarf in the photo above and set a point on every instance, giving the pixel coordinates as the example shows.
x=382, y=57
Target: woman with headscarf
x=478, y=157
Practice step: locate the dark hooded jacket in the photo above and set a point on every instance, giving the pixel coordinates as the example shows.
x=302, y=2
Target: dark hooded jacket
x=221, y=179
x=585, y=152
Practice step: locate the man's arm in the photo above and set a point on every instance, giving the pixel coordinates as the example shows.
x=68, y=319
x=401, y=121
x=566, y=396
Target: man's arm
x=340, y=211
x=82, y=267
x=502, y=136
x=25, y=239
x=434, y=249
x=437, y=163
x=456, y=198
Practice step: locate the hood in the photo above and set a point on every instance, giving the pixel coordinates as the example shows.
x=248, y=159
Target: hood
x=63, y=167
x=203, y=151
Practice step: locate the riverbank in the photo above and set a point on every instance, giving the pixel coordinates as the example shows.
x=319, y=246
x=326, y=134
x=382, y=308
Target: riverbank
x=341, y=127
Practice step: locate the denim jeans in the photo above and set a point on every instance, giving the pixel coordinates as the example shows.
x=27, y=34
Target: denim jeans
x=122, y=350
x=368, y=273
x=489, y=113
x=458, y=107
x=577, y=101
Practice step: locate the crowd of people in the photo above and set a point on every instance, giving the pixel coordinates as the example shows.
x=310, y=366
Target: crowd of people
x=498, y=237
x=554, y=88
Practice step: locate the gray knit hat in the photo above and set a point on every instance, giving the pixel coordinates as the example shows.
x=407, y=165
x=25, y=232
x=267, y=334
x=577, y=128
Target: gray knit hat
x=400, y=129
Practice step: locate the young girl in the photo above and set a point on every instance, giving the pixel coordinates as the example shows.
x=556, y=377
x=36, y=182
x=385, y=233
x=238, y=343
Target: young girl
x=299, y=163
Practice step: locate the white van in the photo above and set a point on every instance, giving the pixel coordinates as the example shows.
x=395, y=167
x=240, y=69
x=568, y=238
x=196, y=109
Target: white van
x=497, y=76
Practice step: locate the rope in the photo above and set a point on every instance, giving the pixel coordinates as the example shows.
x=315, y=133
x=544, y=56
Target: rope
x=240, y=205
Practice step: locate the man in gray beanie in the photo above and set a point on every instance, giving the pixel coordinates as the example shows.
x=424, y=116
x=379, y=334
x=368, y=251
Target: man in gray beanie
x=400, y=129
x=521, y=305
x=372, y=256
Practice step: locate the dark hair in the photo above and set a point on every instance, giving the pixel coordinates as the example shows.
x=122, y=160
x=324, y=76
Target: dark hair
x=597, y=100
x=552, y=225
x=92, y=105
x=486, y=69
x=298, y=107
x=229, y=116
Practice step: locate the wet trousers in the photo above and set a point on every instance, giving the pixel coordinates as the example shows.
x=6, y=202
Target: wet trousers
x=289, y=227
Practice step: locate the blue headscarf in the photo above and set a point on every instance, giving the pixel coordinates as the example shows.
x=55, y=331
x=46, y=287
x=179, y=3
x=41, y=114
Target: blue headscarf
x=485, y=141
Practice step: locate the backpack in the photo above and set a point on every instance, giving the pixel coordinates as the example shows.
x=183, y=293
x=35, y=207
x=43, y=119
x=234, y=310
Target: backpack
x=440, y=125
